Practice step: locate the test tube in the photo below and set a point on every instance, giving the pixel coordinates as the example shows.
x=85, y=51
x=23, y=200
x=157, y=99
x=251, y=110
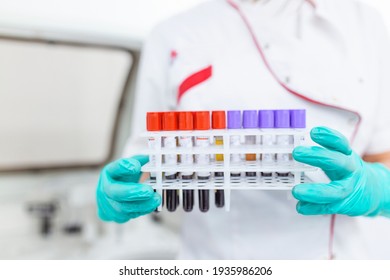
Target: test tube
x=202, y=122
x=250, y=120
x=186, y=122
x=266, y=121
x=234, y=122
x=169, y=123
x=219, y=122
x=298, y=118
x=282, y=120
x=153, y=123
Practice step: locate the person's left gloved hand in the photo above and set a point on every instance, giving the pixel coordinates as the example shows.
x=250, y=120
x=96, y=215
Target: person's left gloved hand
x=119, y=195
x=356, y=187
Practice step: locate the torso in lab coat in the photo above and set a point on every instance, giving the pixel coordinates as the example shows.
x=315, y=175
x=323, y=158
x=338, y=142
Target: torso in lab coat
x=320, y=62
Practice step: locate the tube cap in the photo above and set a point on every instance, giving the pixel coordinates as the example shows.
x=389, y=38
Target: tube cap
x=202, y=120
x=153, y=121
x=169, y=121
x=266, y=119
x=234, y=119
x=298, y=118
x=186, y=121
x=218, y=119
x=282, y=118
x=250, y=119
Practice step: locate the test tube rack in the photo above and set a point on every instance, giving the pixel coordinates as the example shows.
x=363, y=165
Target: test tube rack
x=227, y=183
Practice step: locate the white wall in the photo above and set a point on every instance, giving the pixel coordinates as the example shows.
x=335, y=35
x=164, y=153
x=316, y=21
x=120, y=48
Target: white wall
x=117, y=20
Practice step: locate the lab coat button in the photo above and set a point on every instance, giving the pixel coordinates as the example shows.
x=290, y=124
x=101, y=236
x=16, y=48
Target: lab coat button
x=266, y=46
x=287, y=79
x=360, y=80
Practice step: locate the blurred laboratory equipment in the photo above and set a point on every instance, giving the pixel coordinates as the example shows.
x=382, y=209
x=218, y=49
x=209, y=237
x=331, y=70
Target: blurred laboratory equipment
x=67, y=80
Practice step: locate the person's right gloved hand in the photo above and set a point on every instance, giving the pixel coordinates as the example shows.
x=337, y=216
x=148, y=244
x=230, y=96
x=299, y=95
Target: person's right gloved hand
x=119, y=196
x=357, y=188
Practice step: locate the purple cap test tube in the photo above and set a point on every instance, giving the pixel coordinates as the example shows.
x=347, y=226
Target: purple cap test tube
x=298, y=118
x=234, y=122
x=234, y=119
x=282, y=118
x=266, y=119
x=250, y=119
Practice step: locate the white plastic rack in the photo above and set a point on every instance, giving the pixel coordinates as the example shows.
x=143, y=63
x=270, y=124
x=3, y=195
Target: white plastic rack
x=227, y=183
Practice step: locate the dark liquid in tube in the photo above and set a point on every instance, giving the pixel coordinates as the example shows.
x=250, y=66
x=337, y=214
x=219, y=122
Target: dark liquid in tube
x=171, y=196
x=204, y=197
x=188, y=196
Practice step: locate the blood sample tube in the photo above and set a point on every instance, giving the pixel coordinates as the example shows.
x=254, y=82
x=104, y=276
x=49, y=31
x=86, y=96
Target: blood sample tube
x=186, y=122
x=250, y=120
x=298, y=118
x=282, y=120
x=169, y=123
x=202, y=122
x=153, y=123
x=234, y=122
x=266, y=121
x=219, y=122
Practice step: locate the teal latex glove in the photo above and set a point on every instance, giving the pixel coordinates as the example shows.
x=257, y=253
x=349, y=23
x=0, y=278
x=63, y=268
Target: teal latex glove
x=356, y=187
x=119, y=196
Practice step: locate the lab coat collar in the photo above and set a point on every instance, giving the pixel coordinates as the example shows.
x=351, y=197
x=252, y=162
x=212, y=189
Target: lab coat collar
x=320, y=9
x=313, y=3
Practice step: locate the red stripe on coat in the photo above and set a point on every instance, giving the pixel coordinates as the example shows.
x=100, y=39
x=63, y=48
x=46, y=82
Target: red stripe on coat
x=193, y=80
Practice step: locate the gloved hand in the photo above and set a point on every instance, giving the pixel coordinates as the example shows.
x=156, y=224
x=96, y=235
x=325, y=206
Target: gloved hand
x=356, y=187
x=119, y=196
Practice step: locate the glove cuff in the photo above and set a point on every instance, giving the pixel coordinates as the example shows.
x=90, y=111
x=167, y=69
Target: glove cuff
x=382, y=177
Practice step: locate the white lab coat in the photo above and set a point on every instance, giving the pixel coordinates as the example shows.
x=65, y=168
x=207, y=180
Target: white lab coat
x=336, y=54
